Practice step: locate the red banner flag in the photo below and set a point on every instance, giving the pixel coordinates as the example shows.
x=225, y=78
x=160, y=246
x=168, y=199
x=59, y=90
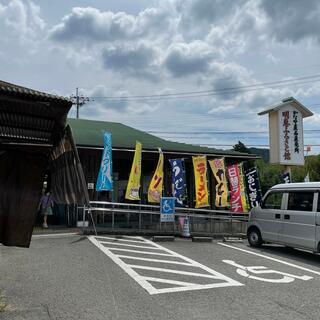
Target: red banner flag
x=235, y=191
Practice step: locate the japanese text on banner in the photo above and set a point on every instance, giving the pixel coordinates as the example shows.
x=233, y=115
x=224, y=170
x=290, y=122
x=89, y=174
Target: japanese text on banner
x=104, y=182
x=133, y=187
x=178, y=181
x=200, y=174
x=219, y=172
x=235, y=192
x=155, y=187
x=253, y=187
x=243, y=190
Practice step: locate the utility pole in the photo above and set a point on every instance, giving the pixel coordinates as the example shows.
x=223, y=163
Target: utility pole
x=78, y=101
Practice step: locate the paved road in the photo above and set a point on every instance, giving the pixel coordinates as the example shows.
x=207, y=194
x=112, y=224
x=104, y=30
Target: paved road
x=73, y=277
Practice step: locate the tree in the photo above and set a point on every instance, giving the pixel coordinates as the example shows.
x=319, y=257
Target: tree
x=240, y=147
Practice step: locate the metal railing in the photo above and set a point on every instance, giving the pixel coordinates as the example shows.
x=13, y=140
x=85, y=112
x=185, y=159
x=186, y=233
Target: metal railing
x=114, y=216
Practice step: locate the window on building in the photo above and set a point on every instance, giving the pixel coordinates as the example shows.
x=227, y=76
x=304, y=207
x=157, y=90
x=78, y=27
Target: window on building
x=273, y=201
x=300, y=201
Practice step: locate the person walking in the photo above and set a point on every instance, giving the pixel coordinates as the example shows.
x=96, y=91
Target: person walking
x=46, y=205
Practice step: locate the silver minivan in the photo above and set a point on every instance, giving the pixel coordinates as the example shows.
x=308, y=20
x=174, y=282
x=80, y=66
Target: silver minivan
x=290, y=215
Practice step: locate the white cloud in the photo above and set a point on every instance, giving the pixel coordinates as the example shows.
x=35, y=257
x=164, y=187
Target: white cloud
x=91, y=25
x=292, y=20
x=174, y=46
x=139, y=60
x=183, y=59
x=21, y=20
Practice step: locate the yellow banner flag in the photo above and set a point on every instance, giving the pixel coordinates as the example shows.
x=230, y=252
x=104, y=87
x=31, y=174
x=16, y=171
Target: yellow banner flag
x=155, y=187
x=219, y=171
x=244, y=201
x=133, y=186
x=200, y=176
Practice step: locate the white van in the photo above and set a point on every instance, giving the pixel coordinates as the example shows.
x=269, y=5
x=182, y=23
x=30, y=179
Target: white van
x=290, y=215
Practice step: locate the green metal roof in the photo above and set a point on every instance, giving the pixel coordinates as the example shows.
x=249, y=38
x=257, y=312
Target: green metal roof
x=89, y=133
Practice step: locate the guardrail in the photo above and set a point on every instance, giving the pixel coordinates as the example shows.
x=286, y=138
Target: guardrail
x=114, y=216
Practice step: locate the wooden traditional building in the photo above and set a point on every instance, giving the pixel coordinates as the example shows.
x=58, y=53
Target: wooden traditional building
x=31, y=123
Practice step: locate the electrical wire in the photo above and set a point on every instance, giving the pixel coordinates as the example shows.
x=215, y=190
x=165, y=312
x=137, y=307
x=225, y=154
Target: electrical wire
x=204, y=93
x=219, y=132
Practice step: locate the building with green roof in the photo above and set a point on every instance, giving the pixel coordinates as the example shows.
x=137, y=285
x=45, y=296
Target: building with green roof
x=88, y=135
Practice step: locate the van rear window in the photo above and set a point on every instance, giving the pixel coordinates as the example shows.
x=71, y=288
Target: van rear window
x=300, y=201
x=273, y=201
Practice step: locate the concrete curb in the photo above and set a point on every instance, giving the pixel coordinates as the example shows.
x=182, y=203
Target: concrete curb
x=147, y=233
x=163, y=238
x=202, y=239
x=232, y=239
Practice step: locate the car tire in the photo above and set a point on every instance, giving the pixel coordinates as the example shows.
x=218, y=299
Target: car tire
x=254, y=237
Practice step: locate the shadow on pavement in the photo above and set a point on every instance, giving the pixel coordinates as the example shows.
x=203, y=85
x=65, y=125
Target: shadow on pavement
x=290, y=253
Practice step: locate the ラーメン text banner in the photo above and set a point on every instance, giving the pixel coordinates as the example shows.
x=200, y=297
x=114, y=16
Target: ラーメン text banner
x=201, y=185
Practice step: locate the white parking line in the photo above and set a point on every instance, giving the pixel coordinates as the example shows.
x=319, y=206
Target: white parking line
x=122, y=240
x=128, y=245
x=134, y=266
x=270, y=258
x=139, y=251
x=219, y=279
x=154, y=260
x=53, y=235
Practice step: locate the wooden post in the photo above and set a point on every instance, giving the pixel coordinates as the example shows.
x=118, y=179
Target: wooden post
x=287, y=169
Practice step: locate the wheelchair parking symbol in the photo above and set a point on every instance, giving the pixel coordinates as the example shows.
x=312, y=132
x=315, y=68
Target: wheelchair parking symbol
x=255, y=273
x=167, y=210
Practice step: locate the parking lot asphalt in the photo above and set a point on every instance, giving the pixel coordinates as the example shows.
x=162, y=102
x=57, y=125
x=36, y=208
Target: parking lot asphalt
x=76, y=277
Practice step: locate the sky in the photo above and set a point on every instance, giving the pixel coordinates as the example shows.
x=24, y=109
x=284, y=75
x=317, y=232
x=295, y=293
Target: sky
x=194, y=71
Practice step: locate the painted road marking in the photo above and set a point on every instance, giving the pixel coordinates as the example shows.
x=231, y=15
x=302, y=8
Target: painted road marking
x=270, y=258
x=122, y=240
x=245, y=272
x=205, y=273
x=153, y=260
x=173, y=271
x=139, y=251
x=128, y=245
x=53, y=235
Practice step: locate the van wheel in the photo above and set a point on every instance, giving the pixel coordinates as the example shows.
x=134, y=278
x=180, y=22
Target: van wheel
x=254, y=237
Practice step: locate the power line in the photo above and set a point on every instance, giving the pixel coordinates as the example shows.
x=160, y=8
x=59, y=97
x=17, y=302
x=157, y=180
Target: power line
x=247, y=145
x=78, y=101
x=170, y=81
x=228, y=90
x=218, y=132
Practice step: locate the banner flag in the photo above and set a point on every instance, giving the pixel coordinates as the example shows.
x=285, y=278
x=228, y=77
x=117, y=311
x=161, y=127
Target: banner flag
x=133, y=187
x=200, y=176
x=179, y=186
x=104, y=182
x=253, y=187
x=235, y=192
x=243, y=190
x=155, y=187
x=219, y=172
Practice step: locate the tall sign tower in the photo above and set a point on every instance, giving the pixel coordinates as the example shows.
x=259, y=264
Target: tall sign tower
x=286, y=132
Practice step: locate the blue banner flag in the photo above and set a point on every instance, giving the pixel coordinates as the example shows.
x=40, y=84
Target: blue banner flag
x=104, y=182
x=178, y=181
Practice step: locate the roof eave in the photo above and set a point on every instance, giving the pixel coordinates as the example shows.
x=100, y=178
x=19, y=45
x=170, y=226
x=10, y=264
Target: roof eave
x=304, y=110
